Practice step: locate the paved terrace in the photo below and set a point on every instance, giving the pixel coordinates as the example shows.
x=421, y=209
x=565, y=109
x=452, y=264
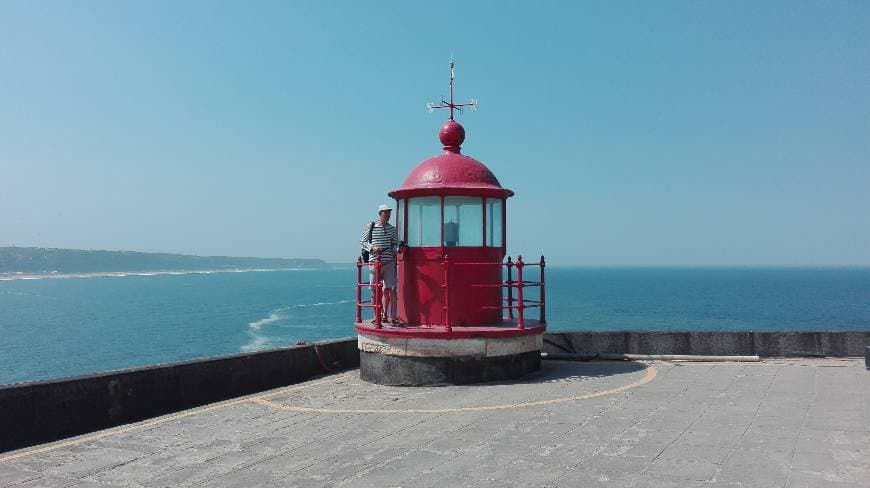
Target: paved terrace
x=779, y=423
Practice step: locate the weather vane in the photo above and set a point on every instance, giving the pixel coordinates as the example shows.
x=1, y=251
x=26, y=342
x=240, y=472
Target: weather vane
x=430, y=107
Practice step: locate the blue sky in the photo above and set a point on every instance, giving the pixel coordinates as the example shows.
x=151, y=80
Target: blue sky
x=648, y=133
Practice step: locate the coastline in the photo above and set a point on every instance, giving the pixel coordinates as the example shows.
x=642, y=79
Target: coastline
x=123, y=274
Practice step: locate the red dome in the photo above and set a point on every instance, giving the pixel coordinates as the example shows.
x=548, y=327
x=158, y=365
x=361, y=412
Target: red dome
x=451, y=173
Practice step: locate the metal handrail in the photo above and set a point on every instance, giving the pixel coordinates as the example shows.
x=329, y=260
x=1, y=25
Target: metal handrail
x=519, y=284
x=378, y=291
x=510, y=284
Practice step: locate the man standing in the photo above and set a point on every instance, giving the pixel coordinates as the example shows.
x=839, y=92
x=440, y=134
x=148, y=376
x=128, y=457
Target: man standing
x=380, y=236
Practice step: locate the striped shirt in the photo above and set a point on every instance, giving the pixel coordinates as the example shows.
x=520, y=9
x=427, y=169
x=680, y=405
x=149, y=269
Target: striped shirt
x=385, y=237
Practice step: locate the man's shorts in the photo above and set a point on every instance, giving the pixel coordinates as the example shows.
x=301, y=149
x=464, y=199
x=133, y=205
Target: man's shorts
x=388, y=274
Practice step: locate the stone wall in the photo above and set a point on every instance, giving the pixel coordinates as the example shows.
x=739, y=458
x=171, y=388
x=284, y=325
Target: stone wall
x=42, y=411
x=764, y=344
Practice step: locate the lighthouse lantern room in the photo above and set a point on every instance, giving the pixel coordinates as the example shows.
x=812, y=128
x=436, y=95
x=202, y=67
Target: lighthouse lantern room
x=464, y=308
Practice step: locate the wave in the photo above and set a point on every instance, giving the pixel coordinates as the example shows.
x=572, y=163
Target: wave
x=318, y=304
x=259, y=341
x=277, y=315
x=256, y=344
x=24, y=294
x=123, y=274
x=273, y=317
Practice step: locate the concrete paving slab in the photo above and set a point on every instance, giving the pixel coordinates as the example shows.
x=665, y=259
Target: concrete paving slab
x=12, y=474
x=50, y=481
x=775, y=475
x=779, y=423
x=809, y=479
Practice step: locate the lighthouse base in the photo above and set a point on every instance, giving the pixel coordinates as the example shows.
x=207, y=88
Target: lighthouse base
x=434, y=362
x=382, y=369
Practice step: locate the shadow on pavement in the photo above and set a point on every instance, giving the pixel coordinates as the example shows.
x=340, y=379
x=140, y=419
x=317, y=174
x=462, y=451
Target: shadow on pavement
x=553, y=371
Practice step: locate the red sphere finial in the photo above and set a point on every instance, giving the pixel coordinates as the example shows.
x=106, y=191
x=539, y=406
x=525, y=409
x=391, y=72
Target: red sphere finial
x=452, y=134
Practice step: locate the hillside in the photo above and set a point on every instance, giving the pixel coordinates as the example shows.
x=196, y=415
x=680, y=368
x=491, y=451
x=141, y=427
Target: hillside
x=46, y=260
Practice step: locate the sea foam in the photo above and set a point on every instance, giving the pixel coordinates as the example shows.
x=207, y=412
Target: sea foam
x=54, y=275
x=273, y=317
x=258, y=341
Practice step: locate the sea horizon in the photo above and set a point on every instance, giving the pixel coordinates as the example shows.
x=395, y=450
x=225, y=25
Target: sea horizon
x=24, y=275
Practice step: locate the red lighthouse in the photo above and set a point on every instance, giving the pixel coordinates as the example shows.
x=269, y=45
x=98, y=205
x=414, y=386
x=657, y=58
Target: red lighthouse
x=464, y=307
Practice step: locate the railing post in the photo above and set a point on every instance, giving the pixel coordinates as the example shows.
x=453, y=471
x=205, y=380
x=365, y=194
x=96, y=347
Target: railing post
x=359, y=290
x=447, y=293
x=510, y=288
x=379, y=292
x=520, y=304
x=543, y=318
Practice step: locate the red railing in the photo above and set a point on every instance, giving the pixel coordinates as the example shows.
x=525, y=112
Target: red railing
x=377, y=291
x=520, y=284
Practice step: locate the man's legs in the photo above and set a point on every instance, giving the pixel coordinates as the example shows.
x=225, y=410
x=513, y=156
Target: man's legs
x=374, y=289
x=391, y=301
x=388, y=294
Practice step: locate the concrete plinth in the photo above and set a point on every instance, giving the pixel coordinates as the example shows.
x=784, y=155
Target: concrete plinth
x=384, y=369
x=414, y=361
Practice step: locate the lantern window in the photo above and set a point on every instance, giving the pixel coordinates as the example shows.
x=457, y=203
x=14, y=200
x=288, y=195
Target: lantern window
x=463, y=221
x=400, y=218
x=494, y=213
x=424, y=221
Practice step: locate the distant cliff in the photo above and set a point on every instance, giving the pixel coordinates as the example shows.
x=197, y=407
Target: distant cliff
x=43, y=260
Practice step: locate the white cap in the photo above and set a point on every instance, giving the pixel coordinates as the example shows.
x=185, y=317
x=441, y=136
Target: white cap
x=384, y=207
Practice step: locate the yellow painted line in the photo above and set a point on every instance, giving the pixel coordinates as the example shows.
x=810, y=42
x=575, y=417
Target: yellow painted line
x=649, y=376
x=151, y=423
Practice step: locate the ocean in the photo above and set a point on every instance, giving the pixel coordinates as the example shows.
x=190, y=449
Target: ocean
x=51, y=328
